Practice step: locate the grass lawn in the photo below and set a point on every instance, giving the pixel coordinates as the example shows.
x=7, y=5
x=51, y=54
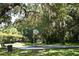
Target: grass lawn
x=47, y=52
x=50, y=52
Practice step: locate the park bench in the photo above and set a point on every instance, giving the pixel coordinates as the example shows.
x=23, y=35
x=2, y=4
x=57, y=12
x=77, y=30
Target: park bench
x=36, y=48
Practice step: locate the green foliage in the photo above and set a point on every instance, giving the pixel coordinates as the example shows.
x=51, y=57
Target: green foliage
x=52, y=20
x=10, y=35
x=55, y=22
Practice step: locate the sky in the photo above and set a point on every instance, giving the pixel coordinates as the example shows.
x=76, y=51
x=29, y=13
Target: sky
x=17, y=16
x=13, y=18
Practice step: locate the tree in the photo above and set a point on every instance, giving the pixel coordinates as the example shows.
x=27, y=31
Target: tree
x=55, y=22
x=10, y=35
